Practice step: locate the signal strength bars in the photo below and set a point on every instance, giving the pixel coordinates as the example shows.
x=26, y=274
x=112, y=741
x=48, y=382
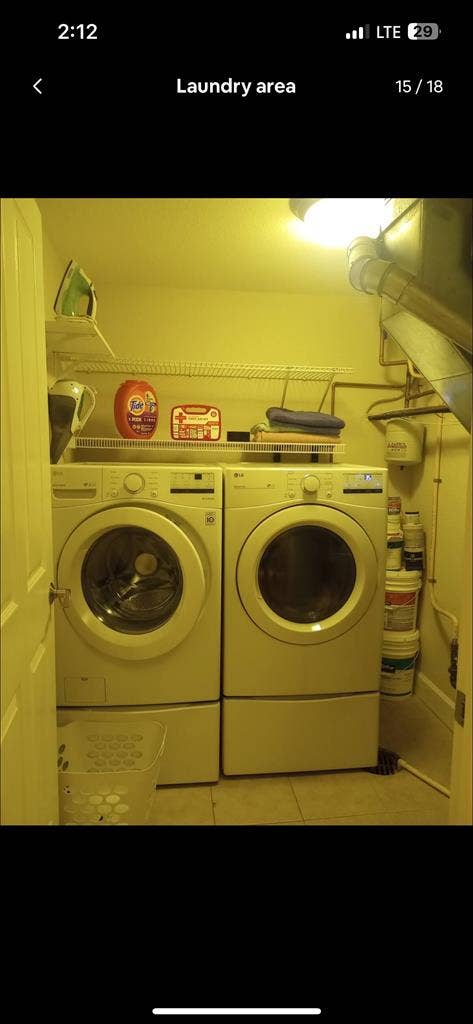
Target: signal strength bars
x=363, y=32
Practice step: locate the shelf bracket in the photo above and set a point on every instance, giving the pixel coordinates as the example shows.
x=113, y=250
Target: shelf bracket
x=329, y=383
x=286, y=382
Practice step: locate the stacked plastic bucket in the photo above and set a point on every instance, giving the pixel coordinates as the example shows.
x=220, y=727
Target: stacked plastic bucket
x=404, y=565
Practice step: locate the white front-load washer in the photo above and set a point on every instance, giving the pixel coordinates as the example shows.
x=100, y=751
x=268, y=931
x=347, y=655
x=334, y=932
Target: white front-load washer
x=304, y=570
x=138, y=552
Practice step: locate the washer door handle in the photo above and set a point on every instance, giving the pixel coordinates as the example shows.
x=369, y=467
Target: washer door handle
x=64, y=595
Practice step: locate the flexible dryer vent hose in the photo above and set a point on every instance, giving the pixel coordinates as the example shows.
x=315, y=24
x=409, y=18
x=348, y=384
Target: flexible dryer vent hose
x=368, y=273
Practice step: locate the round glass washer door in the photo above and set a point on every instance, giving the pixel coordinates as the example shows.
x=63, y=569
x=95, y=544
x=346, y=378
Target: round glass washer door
x=307, y=574
x=136, y=581
x=132, y=580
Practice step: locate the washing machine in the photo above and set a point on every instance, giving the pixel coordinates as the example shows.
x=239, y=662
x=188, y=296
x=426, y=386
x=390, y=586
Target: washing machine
x=138, y=552
x=304, y=569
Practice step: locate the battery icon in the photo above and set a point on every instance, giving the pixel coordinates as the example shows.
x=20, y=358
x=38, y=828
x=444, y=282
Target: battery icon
x=423, y=30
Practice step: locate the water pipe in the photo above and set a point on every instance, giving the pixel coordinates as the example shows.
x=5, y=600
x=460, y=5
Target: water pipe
x=431, y=580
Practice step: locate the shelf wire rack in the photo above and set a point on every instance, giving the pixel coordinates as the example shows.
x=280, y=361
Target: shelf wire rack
x=253, y=447
x=196, y=368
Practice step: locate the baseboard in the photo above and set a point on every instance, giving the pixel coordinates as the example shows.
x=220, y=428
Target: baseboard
x=436, y=699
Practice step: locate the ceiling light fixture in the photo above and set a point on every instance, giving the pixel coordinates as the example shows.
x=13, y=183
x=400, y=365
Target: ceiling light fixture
x=334, y=223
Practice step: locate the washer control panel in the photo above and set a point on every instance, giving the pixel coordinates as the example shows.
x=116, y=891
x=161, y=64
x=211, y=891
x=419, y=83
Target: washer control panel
x=177, y=485
x=134, y=483
x=161, y=482
x=192, y=483
x=74, y=484
x=310, y=483
x=128, y=481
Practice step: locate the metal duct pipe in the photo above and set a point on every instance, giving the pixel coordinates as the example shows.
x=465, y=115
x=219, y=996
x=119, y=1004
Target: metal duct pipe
x=369, y=273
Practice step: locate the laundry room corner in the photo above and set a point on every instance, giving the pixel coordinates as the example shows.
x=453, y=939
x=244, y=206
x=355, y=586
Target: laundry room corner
x=256, y=471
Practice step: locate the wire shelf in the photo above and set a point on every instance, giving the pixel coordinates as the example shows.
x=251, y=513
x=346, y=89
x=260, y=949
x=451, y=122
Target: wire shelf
x=270, y=447
x=178, y=368
x=76, y=338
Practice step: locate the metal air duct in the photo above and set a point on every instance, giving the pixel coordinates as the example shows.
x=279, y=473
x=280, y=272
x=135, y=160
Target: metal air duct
x=421, y=262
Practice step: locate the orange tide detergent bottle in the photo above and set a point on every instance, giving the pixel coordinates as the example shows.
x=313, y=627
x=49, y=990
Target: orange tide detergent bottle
x=136, y=409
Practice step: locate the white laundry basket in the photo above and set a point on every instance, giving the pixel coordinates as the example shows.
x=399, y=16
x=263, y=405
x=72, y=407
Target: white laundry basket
x=108, y=771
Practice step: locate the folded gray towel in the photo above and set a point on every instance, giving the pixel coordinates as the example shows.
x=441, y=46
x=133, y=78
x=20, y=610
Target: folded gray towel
x=291, y=428
x=303, y=419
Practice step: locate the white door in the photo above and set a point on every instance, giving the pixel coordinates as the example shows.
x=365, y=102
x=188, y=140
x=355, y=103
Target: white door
x=307, y=574
x=28, y=689
x=460, y=786
x=135, y=582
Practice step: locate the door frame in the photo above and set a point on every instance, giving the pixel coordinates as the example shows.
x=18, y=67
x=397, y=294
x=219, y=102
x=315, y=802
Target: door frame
x=460, y=808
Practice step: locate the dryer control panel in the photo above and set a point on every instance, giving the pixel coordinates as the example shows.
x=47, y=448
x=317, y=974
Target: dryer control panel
x=363, y=483
x=250, y=486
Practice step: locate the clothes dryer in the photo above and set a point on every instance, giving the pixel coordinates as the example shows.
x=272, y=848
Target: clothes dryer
x=138, y=564
x=304, y=568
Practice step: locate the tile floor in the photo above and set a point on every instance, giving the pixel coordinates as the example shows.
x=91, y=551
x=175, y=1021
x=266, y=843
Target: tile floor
x=330, y=798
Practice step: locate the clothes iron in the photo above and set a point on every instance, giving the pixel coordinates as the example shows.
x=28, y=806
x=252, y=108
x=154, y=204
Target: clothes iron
x=74, y=286
x=70, y=405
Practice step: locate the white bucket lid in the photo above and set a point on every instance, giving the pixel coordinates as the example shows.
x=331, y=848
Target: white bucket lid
x=403, y=576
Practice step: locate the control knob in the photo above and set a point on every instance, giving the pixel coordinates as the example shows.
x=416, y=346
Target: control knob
x=133, y=483
x=310, y=484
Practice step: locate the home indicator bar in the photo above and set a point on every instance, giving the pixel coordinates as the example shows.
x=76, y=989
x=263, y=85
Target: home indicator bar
x=286, y=1012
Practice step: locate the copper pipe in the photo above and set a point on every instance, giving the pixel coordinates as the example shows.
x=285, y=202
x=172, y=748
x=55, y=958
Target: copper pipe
x=423, y=394
x=379, y=387
x=382, y=361
x=409, y=412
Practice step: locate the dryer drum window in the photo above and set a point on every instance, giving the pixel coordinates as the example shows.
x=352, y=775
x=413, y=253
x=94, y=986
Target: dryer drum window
x=132, y=580
x=306, y=574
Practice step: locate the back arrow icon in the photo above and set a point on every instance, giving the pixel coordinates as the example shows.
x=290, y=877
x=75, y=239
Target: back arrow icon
x=35, y=86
